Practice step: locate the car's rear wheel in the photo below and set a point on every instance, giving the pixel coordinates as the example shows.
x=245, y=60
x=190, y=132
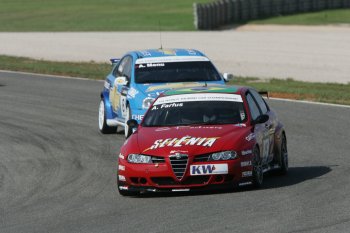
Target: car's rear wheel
x=283, y=160
x=258, y=174
x=102, y=120
x=127, y=129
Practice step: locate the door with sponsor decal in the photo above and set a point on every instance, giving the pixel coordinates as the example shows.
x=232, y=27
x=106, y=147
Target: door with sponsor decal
x=121, y=85
x=270, y=125
x=261, y=130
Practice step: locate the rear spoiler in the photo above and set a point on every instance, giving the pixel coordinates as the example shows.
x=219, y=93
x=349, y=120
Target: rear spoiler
x=265, y=93
x=114, y=60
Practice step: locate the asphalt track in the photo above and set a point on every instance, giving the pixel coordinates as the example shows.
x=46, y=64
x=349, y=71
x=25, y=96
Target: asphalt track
x=57, y=172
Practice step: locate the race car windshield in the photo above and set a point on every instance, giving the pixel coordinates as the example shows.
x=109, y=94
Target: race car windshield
x=176, y=72
x=195, y=113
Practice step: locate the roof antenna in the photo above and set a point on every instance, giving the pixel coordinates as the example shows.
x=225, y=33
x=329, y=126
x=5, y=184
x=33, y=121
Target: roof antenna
x=160, y=35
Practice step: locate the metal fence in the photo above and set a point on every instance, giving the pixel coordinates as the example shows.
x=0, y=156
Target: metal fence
x=212, y=15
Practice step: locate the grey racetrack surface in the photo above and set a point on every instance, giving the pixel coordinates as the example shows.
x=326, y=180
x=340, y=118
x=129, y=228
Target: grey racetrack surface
x=57, y=172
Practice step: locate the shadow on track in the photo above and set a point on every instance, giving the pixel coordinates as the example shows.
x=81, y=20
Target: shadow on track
x=295, y=176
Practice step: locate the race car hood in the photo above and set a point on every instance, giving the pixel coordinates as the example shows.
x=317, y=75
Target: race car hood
x=192, y=140
x=154, y=89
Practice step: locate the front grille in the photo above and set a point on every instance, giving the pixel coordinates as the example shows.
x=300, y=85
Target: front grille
x=179, y=164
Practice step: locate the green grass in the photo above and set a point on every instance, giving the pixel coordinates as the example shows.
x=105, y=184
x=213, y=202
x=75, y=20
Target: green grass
x=96, y=15
x=292, y=89
x=314, y=18
x=321, y=92
x=89, y=70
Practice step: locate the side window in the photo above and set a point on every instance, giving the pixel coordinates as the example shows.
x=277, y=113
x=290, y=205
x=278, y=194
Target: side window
x=123, y=68
x=254, y=110
x=263, y=107
x=127, y=67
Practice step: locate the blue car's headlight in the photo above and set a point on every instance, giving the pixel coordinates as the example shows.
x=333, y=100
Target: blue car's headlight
x=223, y=155
x=137, y=158
x=146, y=103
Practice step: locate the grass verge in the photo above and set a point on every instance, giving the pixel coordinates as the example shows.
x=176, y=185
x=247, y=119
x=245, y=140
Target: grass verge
x=289, y=89
x=92, y=15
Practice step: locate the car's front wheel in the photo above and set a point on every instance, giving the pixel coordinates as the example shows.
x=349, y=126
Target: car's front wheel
x=102, y=120
x=127, y=129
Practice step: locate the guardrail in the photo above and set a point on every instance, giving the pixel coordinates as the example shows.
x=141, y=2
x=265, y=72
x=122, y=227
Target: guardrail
x=208, y=16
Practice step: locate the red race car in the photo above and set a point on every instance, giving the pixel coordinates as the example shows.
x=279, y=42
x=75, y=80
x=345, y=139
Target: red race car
x=200, y=138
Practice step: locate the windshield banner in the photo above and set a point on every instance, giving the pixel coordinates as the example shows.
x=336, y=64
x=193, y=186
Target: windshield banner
x=198, y=97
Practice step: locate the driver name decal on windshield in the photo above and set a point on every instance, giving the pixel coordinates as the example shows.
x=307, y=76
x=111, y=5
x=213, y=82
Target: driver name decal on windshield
x=172, y=105
x=150, y=65
x=184, y=141
x=198, y=97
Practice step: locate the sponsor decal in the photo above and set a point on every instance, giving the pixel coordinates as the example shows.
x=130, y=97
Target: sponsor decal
x=170, y=86
x=121, y=156
x=162, y=129
x=250, y=137
x=132, y=92
x=172, y=105
x=166, y=59
x=208, y=169
x=121, y=178
x=198, y=97
x=145, y=53
x=107, y=85
x=245, y=183
x=123, y=187
x=184, y=141
x=241, y=125
x=191, y=52
x=242, y=114
x=137, y=117
x=246, y=163
x=246, y=152
x=247, y=174
x=121, y=167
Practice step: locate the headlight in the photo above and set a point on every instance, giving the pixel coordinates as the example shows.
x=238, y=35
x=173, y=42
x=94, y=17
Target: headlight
x=136, y=158
x=146, y=103
x=224, y=155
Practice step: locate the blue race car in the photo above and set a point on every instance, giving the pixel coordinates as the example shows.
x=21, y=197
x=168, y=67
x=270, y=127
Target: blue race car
x=140, y=76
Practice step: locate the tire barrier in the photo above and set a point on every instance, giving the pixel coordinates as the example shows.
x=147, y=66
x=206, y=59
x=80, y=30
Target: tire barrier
x=209, y=16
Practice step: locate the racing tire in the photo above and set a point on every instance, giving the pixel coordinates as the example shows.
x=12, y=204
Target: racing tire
x=102, y=121
x=127, y=129
x=258, y=173
x=283, y=159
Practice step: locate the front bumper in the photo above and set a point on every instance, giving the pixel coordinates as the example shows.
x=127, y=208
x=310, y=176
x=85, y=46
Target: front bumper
x=160, y=177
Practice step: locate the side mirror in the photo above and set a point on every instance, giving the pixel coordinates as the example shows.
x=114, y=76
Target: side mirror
x=261, y=119
x=121, y=81
x=132, y=123
x=227, y=76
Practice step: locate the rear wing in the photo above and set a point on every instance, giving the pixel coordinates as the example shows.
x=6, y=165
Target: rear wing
x=264, y=93
x=114, y=60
